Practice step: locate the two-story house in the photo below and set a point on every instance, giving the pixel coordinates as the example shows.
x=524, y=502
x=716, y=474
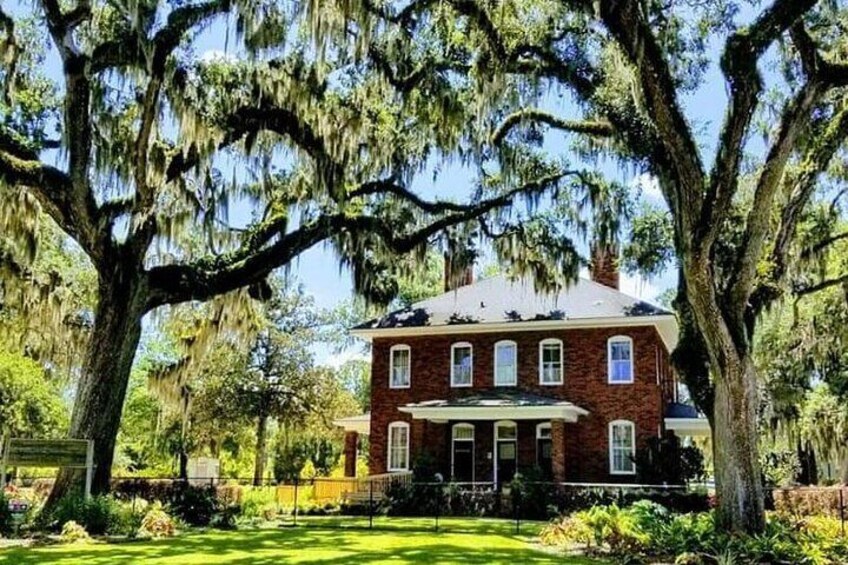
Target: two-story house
x=493, y=376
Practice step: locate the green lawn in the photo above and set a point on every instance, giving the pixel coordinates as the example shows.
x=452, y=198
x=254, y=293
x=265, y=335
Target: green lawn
x=303, y=545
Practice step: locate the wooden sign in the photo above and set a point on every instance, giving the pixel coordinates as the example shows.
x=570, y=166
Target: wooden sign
x=74, y=453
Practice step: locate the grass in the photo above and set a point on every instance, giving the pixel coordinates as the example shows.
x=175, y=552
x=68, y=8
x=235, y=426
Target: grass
x=404, y=543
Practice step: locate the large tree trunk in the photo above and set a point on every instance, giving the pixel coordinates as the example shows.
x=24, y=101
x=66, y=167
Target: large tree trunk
x=739, y=487
x=103, y=383
x=739, y=483
x=261, y=450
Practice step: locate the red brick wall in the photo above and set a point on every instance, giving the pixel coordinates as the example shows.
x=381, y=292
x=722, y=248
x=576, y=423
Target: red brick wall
x=585, y=384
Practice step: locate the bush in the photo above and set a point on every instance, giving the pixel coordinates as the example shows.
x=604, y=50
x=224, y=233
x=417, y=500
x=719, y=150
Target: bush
x=808, y=501
x=99, y=515
x=647, y=530
x=6, y=523
x=259, y=503
x=156, y=524
x=195, y=506
x=74, y=533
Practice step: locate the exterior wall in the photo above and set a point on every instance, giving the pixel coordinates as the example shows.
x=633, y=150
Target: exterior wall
x=585, y=384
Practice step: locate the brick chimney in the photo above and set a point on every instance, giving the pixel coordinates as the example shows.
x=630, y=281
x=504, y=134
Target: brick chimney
x=603, y=267
x=465, y=278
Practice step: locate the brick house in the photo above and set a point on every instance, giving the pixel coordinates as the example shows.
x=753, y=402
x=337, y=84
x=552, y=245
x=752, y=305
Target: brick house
x=493, y=377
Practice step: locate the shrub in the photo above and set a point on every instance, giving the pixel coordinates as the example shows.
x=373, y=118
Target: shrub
x=6, y=523
x=568, y=530
x=156, y=524
x=647, y=530
x=98, y=514
x=808, y=501
x=259, y=503
x=195, y=506
x=74, y=533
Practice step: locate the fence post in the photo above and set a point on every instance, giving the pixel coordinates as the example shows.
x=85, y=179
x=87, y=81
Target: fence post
x=438, y=505
x=516, y=503
x=842, y=510
x=371, y=504
x=295, y=501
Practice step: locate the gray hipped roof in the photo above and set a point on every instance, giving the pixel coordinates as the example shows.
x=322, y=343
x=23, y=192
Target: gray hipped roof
x=499, y=300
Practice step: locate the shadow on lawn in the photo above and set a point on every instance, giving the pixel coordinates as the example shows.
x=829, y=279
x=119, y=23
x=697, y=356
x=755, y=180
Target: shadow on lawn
x=292, y=545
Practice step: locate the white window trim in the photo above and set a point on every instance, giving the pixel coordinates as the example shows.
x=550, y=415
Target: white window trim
x=632, y=426
x=399, y=347
x=542, y=344
x=543, y=426
x=610, y=341
x=503, y=424
x=392, y=426
x=515, y=366
x=454, y=347
x=472, y=441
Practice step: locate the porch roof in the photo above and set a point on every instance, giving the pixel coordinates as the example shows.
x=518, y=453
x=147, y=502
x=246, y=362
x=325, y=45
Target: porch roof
x=361, y=423
x=496, y=406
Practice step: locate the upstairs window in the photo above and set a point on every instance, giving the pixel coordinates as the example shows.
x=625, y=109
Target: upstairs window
x=550, y=362
x=620, y=353
x=622, y=443
x=462, y=359
x=398, y=446
x=506, y=363
x=400, y=366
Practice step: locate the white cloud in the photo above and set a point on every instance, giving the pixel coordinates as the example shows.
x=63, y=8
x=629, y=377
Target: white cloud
x=649, y=185
x=214, y=55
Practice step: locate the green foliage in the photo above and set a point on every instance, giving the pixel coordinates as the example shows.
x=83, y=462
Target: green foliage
x=648, y=531
x=74, y=533
x=665, y=461
x=193, y=505
x=6, y=522
x=259, y=502
x=650, y=244
x=156, y=524
x=293, y=451
x=780, y=468
x=99, y=515
x=30, y=405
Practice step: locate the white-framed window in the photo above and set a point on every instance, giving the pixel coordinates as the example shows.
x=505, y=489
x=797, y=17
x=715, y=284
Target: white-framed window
x=543, y=431
x=506, y=363
x=622, y=447
x=550, y=362
x=398, y=446
x=620, y=359
x=462, y=363
x=400, y=366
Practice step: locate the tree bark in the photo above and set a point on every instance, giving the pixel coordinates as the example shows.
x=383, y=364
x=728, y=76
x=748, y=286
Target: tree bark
x=103, y=383
x=261, y=450
x=739, y=483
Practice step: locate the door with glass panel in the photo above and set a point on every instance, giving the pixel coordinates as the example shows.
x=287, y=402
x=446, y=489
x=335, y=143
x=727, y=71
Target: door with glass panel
x=462, y=456
x=544, y=448
x=506, y=452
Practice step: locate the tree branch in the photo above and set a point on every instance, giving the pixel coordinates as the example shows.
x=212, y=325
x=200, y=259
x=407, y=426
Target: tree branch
x=171, y=284
x=823, y=285
x=795, y=118
x=598, y=128
x=739, y=65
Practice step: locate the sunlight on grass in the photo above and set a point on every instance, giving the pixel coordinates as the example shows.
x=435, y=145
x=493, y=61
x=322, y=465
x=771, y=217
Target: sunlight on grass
x=303, y=545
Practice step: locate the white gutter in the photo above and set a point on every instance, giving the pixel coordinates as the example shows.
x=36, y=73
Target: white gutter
x=567, y=412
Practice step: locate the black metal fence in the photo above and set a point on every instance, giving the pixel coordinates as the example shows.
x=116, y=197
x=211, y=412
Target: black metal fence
x=397, y=502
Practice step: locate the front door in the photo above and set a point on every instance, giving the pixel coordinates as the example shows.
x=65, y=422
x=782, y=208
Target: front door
x=507, y=453
x=463, y=461
x=543, y=456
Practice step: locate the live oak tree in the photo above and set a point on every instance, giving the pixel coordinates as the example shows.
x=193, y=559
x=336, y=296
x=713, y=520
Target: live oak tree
x=127, y=151
x=625, y=67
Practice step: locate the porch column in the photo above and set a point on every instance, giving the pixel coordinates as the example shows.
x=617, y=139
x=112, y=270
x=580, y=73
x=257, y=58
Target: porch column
x=558, y=450
x=350, y=441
